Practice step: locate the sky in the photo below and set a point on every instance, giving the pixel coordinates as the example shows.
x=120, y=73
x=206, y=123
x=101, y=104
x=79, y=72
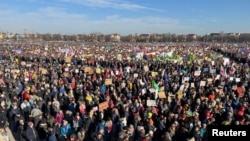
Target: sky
x=125, y=16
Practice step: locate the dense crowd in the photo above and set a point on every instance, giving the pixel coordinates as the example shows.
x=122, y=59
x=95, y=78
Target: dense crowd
x=107, y=92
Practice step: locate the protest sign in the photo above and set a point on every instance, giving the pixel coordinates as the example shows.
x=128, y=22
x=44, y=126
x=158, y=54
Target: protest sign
x=197, y=73
x=103, y=106
x=202, y=83
x=98, y=70
x=146, y=69
x=68, y=59
x=108, y=82
x=162, y=94
x=151, y=103
x=192, y=85
x=154, y=74
x=179, y=94
x=88, y=70
x=237, y=79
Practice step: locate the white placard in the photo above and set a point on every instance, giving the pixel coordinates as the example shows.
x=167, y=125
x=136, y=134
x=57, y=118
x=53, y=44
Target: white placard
x=76, y=70
x=197, y=73
x=116, y=72
x=186, y=78
x=237, y=79
x=151, y=103
x=217, y=77
x=212, y=63
x=143, y=91
x=135, y=75
x=66, y=69
x=202, y=83
x=182, y=87
x=212, y=71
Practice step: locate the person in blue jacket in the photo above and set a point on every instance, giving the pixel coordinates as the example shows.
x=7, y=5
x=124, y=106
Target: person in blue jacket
x=65, y=129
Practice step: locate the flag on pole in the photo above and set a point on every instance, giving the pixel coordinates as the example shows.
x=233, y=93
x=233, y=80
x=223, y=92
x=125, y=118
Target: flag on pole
x=155, y=87
x=222, y=71
x=232, y=70
x=165, y=76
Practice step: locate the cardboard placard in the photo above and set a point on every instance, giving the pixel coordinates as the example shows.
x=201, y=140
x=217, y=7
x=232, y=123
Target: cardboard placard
x=88, y=70
x=151, y=103
x=103, y=106
x=98, y=70
x=179, y=94
x=68, y=59
x=202, y=83
x=15, y=71
x=192, y=85
x=146, y=69
x=175, y=73
x=154, y=74
x=162, y=94
x=108, y=82
x=44, y=71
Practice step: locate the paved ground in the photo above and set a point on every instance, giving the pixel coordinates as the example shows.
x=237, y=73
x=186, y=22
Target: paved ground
x=10, y=135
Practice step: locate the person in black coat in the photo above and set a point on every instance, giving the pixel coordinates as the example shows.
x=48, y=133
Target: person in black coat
x=21, y=132
x=3, y=113
x=31, y=134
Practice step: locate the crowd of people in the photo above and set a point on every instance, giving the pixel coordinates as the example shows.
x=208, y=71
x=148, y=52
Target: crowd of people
x=75, y=91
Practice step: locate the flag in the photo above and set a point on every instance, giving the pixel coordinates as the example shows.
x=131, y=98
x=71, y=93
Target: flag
x=191, y=58
x=70, y=53
x=166, y=57
x=222, y=71
x=176, y=56
x=155, y=87
x=165, y=77
x=145, y=57
x=232, y=70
